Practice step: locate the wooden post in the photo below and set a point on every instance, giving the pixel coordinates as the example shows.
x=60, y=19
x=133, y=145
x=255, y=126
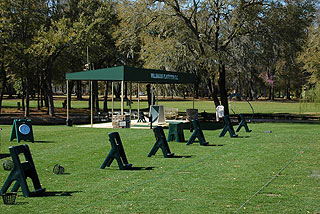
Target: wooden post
x=112, y=102
x=67, y=100
x=130, y=99
x=91, y=105
x=138, y=100
x=122, y=105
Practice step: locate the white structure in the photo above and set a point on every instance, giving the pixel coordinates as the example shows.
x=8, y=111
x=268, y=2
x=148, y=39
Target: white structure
x=219, y=112
x=157, y=113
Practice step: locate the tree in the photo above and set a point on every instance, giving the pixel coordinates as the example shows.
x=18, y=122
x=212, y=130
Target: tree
x=20, y=21
x=294, y=19
x=95, y=27
x=49, y=45
x=310, y=55
x=210, y=27
x=270, y=51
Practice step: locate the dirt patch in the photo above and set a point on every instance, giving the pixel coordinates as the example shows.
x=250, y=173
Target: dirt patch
x=41, y=117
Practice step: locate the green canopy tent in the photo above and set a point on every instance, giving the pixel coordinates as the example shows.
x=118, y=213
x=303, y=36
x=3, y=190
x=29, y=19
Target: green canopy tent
x=128, y=74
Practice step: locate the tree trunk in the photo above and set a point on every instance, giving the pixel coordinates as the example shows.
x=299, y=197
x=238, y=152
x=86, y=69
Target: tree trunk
x=288, y=90
x=126, y=91
x=253, y=88
x=96, y=96
x=79, y=90
x=39, y=93
x=271, y=93
x=105, y=101
x=27, y=109
x=3, y=82
x=49, y=95
x=239, y=83
x=222, y=87
x=23, y=95
x=42, y=93
x=89, y=94
x=195, y=91
x=117, y=90
x=149, y=94
x=213, y=91
x=71, y=85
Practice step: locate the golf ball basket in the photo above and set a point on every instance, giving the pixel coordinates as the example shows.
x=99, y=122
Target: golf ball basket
x=57, y=169
x=9, y=198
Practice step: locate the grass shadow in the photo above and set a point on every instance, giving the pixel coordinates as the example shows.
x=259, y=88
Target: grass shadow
x=43, y=141
x=20, y=203
x=243, y=137
x=57, y=193
x=140, y=168
x=65, y=173
x=215, y=145
x=17, y=203
x=181, y=156
x=4, y=156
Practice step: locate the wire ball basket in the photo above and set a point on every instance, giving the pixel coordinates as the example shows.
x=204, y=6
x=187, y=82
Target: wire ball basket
x=9, y=198
x=57, y=169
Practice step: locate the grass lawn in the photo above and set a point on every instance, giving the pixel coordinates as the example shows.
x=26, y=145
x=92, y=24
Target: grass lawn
x=266, y=107
x=207, y=179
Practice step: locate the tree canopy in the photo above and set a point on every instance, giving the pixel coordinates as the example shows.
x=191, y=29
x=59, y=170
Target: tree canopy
x=256, y=47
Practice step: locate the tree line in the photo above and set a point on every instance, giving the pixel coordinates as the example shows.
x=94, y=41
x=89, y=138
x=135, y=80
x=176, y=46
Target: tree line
x=253, y=47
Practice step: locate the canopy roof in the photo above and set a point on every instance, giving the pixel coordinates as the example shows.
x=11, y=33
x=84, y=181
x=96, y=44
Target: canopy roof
x=125, y=73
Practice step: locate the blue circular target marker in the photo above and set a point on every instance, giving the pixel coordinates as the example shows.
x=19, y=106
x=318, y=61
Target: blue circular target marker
x=24, y=129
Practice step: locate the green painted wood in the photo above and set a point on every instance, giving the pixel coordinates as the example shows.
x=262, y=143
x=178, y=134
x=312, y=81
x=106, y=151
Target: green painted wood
x=243, y=123
x=117, y=152
x=197, y=133
x=176, y=132
x=227, y=127
x=161, y=143
x=21, y=171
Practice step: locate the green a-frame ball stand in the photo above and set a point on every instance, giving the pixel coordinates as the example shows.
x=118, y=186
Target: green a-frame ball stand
x=117, y=152
x=197, y=133
x=21, y=171
x=227, y=127
x=22, y=130
x=243, y=123
x=161, y=143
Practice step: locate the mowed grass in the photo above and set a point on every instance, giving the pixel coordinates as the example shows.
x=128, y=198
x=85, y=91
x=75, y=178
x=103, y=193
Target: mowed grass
x=205, y=179
x=264, y=107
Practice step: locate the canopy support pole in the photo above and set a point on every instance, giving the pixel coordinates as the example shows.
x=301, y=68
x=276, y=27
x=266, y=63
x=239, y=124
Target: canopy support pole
x=67, y=100
x=91, y=104
x=122, y=105
x=112, y=109
x=138, y=100
x=130, y=99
